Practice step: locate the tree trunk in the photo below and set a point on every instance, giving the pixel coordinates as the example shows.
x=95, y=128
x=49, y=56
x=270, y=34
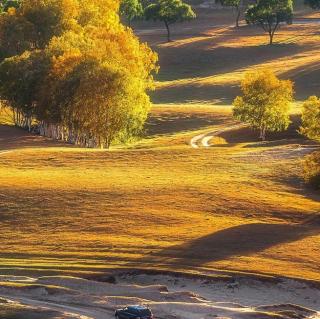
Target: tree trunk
x=271, y=38
x=263, y=133
x=168, y=31
x=238, y=16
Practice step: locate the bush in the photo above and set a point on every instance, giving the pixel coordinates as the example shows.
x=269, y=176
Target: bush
x=312, y=170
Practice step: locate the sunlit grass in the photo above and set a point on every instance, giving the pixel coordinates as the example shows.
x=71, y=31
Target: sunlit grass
x=64, y=208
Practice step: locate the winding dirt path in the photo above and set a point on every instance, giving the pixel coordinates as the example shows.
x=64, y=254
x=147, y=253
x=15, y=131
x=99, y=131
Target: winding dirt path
x=80, y=312
x=203, y=140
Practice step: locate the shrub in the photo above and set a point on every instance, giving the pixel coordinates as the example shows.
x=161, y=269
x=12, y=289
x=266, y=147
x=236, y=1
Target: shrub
x=312, y=170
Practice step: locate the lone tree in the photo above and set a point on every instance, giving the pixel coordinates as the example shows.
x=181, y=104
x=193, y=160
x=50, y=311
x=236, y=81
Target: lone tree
x=269, y=14
x=265, y=102
x=311, y=118
x=131, y=9
x=169, y=12
x=235, y=4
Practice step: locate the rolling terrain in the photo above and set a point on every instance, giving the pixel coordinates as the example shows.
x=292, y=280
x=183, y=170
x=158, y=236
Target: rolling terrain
x=229, y=206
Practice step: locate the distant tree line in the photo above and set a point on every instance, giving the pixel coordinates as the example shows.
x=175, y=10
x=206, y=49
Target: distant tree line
x=73, y=70
x=268, y=14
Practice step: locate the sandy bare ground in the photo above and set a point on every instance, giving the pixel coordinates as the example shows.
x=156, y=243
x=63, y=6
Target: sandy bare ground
x=169, y=296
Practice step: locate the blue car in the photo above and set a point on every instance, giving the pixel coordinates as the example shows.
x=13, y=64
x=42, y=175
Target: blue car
x=134, y=312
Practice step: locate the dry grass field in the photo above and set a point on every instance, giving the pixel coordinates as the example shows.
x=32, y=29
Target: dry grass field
x=237, y=206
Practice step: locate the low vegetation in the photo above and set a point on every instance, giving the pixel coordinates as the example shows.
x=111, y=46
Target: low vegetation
x=311, y=118
x=312, y=170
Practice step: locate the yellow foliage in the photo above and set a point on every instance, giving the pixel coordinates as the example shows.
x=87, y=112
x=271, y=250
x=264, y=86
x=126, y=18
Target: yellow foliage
x=265, y=102
x=12, y=11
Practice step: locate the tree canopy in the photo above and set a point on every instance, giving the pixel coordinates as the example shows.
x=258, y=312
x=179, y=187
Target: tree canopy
x=78, y=72
x=131, y=9
x=269, y=14
x=265, y=102
x=311, y=118
x=169, y=12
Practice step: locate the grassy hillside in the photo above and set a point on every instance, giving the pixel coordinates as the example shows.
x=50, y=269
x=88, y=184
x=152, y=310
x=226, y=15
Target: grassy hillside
x=239, y=205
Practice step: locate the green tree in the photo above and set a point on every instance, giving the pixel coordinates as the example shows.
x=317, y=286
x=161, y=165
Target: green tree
x=269, y=14
x=20, y=80
x=16, y=35
x=235, y=4
x=131, y=9
x=311, y=118
x=169, y=12
x=265, y=102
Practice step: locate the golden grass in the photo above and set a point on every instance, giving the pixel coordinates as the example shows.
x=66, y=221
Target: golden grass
x=68, y=208
x=158, y=203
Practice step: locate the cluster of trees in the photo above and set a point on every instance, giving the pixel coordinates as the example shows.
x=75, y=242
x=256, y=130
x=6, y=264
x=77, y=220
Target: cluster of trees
x=268, y=14
x=71, y=68
x=265, y=106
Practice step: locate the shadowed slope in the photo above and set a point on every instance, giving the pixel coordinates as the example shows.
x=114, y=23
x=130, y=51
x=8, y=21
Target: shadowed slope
x=238, y=241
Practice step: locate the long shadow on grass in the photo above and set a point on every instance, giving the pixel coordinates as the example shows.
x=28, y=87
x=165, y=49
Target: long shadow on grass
x=12, y=137
x=172, y=122
x=238, y=241
x=204, y=59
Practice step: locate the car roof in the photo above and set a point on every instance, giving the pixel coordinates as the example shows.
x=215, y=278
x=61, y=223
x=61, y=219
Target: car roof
x=137, y=308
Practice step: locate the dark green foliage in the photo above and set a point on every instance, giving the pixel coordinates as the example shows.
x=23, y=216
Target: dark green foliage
x=169, y=12
x=131, y=9
x=21, y=77
x=269, y=14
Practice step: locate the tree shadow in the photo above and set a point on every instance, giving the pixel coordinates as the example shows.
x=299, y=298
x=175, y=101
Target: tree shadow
x=238, y=241
x=175, y=122
x=249, y=135
x=203, y=59
x=12, y=137
x=196, y=92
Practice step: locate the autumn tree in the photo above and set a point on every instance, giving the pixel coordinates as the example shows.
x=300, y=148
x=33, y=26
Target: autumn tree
x=235, y=4
x=20, y=80
x=269, y=14
x=131, y=9
x=169, y=12
x=311, y=118
x=86, y=77
x=265, y=102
